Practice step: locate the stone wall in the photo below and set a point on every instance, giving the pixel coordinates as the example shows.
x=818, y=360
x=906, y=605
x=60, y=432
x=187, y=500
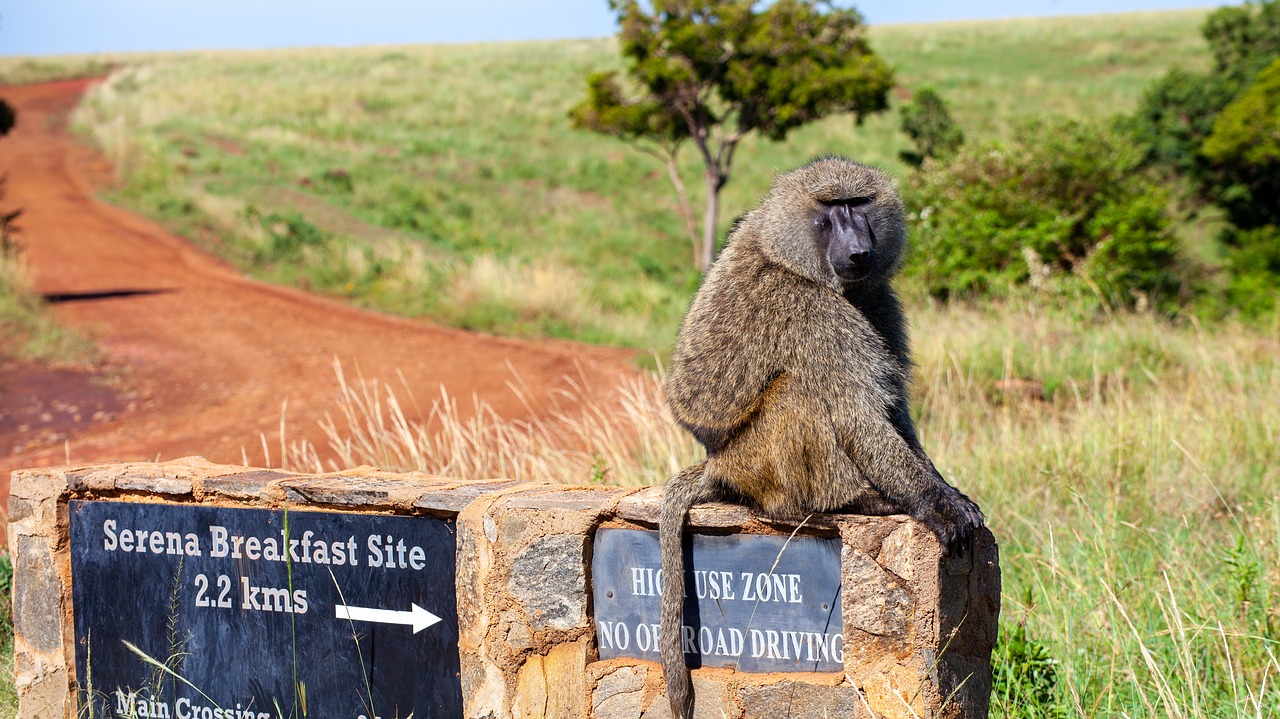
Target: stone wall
x=918, y=625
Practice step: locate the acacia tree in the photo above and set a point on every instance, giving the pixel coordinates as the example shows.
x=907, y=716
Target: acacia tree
x=710, y=72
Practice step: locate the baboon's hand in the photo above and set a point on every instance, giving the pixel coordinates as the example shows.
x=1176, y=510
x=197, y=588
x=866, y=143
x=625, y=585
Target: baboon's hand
x=952, y=517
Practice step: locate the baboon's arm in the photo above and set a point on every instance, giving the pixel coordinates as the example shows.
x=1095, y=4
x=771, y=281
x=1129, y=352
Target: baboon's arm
x=721, y=372
x=854, y=371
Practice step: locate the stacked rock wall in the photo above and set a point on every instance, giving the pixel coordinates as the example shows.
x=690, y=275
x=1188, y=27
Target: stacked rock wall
x=918, y=626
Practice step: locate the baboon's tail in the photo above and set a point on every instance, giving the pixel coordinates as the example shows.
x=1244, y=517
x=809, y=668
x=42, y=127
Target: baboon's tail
x=681, y=492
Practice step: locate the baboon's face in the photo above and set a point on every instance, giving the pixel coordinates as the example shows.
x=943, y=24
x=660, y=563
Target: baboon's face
x=845, y=235
x=835, y=221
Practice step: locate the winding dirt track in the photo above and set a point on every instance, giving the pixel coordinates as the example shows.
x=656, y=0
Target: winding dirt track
x=210, y=355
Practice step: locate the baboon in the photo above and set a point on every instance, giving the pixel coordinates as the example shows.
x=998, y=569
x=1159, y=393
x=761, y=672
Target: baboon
x=791, y=368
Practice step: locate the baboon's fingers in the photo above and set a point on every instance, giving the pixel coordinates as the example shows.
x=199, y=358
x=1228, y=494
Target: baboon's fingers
x=952, y=517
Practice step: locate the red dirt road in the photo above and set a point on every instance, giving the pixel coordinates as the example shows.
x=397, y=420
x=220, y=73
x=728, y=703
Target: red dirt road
x=210, y=357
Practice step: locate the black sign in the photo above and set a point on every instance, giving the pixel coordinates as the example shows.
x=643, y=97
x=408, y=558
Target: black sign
x=754, y=603
x=194, y=612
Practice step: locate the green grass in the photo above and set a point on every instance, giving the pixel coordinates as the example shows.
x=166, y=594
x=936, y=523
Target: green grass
x=28, y=331
x=991, y=73
x=8, y=691
x=31, y=333
x=1137, y=509
x=456, y=182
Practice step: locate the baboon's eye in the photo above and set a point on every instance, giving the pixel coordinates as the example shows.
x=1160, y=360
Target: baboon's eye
x=848, y=201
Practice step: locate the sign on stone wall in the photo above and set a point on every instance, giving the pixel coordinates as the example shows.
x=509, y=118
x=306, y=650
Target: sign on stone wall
x=754, y=603
x=202, y=612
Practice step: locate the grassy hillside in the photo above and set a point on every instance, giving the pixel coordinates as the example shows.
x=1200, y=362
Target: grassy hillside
x=445, y=181
x=19, y=70
x=1088, y=66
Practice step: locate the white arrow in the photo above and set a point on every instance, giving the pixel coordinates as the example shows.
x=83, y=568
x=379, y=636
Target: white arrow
x=418, y=618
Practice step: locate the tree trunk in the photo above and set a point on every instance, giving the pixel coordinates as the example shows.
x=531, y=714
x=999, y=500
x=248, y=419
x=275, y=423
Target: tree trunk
x=673, y=171
x=708, y=254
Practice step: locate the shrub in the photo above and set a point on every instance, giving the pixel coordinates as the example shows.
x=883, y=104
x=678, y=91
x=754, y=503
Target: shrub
x=928, y=122
x=1242, y=175
x=1177, y=112
x=1253, y=260
x=1175, y=116
x=1024, y=677
x=1220, y=130
x=289, y=233
x=1061, y=203
x=1244, y=38
x=1244, y=150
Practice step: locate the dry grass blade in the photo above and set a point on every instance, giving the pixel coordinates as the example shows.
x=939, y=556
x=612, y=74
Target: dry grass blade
x=627, y=440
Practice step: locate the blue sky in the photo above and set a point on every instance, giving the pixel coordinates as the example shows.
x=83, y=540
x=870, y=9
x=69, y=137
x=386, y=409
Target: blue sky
x=47, y=27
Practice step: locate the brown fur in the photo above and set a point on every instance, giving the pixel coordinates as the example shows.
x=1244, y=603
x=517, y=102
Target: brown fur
x=796, y=381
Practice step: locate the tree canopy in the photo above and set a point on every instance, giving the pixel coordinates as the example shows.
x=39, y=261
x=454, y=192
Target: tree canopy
x=1177, y=112
x=712, y=71
x=1245, y=148
x=928, y=122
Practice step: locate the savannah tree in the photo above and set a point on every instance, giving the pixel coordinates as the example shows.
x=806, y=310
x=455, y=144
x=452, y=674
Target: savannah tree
x=710, y=72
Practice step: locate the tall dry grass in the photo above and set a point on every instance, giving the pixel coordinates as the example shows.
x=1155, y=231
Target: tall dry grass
x=630, y=440
x=541, y=288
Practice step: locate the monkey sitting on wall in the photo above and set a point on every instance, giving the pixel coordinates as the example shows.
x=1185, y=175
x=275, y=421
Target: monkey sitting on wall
x=791, y=368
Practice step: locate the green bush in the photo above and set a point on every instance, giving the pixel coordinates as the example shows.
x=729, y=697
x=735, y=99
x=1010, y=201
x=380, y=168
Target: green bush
x=1062, y=204
x=1177, y=113
x=1253, y=260
x=1221, y=130
x=289, y=233
x=1242, y=175
x=928, y=122
x=1244, y=150
x=1243, y=38
x=1024, y=678
x=1175, y=116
